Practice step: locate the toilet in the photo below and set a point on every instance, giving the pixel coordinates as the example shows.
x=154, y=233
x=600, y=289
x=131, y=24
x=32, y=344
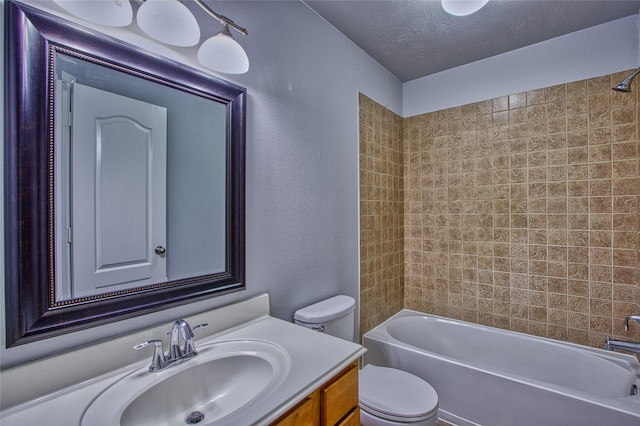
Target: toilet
x=387, y=396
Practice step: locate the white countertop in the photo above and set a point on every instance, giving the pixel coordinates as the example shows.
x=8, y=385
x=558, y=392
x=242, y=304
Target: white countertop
x=315, y=358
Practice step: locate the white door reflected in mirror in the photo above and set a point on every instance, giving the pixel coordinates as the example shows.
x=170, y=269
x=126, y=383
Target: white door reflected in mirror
x=115, y=203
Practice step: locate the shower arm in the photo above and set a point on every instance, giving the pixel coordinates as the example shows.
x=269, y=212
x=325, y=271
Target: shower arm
x=636, y=72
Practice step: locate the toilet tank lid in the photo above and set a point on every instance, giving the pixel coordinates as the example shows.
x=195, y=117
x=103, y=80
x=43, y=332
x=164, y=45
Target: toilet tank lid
x=326, y=310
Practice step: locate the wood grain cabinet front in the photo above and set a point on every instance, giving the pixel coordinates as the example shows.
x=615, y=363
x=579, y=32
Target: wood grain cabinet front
x=334, y=404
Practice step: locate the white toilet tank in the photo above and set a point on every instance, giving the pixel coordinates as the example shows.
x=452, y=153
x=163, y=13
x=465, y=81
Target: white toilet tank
x=334, y=316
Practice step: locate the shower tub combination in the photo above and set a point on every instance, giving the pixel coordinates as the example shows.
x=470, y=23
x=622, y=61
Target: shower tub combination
x=491, y=377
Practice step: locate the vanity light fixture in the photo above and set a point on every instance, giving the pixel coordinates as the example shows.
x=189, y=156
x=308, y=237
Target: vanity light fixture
x=462, y=7
x=170, y=22
x=114, y=13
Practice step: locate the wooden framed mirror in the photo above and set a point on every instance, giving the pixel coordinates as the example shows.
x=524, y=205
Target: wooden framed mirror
x=49, y=62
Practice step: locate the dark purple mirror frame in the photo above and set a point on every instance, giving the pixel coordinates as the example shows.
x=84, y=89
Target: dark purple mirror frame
x=32, y=38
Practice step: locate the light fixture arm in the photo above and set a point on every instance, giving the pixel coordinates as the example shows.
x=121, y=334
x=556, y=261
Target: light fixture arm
x=223, y=19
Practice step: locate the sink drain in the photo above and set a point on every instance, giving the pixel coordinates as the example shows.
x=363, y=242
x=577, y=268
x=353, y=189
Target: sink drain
x=195, y=417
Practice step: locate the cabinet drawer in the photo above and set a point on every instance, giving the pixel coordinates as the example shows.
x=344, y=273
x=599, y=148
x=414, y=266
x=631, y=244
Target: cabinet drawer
x=303, y=414
x=353, y=419
x=340, y=396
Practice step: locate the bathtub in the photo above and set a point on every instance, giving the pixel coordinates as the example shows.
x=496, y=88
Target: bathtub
x=492, y=377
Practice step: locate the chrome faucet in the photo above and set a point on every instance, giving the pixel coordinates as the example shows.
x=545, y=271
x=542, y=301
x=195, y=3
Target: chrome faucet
x=635, y=318
x=158, y=361
x=182, y=329
x=610, y=344
x=182, y=346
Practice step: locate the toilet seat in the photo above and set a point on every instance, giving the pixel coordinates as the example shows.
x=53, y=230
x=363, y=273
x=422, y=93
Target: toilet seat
x=396, y=395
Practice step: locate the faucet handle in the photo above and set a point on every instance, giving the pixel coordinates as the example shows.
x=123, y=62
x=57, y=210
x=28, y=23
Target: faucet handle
x=158, y=360
x=199, y=326
x=191, y=330
x=189, y=348
x=635, y=318
x=187, y=330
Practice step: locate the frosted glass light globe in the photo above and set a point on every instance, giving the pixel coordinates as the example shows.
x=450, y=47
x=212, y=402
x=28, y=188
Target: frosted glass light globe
x=222, y=53
x=462, y=7
x=114, y=13
x=169, y=21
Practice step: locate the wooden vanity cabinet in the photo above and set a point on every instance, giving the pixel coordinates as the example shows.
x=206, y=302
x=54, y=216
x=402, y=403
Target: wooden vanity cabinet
x=334, y=404
x=306, y=412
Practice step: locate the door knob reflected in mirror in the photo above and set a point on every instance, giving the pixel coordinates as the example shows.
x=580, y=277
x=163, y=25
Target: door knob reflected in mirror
x=160, y=250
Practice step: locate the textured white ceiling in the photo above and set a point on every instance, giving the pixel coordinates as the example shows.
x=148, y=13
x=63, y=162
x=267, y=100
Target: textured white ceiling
x=415, y=38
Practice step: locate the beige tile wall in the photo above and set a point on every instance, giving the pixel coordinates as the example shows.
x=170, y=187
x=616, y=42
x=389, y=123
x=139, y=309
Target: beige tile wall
x=520, y=212
x=381, y=212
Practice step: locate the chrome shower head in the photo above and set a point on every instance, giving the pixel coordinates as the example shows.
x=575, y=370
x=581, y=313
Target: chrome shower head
x=625, y=85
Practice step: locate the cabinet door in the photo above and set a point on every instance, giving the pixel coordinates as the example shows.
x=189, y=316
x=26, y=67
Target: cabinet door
x=334, y=404
x=306, y=413
x=340, y=396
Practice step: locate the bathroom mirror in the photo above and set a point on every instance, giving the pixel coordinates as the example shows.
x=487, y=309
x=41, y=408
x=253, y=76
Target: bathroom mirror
x=89, y=212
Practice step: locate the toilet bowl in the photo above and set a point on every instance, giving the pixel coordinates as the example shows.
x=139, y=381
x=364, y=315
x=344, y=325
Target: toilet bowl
x=387, y=396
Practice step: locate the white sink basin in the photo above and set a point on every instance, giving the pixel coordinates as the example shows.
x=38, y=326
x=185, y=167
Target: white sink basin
x=225, y=380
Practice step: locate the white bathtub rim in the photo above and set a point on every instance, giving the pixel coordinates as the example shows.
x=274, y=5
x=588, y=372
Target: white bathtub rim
x=455, y=420
x=601, y=352
x=627, y=364
x=624, y=360
x=626, y=404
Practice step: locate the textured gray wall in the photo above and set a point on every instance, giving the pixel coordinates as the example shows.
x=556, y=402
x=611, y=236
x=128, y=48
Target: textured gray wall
x=302, y=166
